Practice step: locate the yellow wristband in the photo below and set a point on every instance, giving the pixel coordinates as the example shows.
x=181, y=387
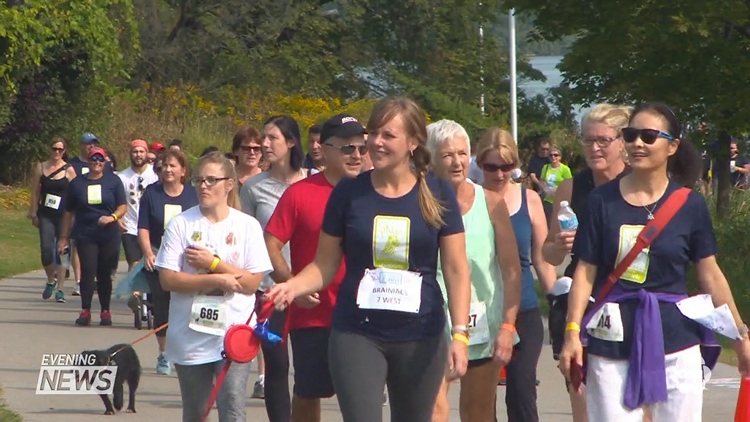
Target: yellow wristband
x=115, y=217
x=572, y=326
x=214, y=264
x=462, y=338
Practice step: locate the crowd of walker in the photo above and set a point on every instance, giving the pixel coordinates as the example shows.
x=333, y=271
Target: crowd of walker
x=398, y=256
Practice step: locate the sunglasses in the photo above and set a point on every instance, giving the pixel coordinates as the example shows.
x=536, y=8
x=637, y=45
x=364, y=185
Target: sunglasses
x=210, y=181
x=491, y=168
x=648, y=136
x=58, y=149
x=140, y=184
x=248, y=148
x=554, y=154
x=97, y=159
x=601, y=141
x=349, y=149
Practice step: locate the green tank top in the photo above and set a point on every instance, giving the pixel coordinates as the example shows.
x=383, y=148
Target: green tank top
x=486, y=279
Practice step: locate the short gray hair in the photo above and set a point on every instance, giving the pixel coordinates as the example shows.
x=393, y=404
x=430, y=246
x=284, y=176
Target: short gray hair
x=443, y=131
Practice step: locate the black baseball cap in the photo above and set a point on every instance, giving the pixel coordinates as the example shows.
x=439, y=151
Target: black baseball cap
x=342, y=126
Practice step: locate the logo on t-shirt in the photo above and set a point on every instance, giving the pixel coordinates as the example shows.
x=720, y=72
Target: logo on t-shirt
x=390, y=242
x=637, y=270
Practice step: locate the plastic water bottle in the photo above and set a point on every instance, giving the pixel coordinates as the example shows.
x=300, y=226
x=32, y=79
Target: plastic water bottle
x=567, y=218
x=65, y=258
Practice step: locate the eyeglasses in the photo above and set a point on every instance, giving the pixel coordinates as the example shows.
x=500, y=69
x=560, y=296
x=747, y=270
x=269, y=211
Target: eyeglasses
x=349, y=149
x=491, y=168
x=248, y=148
x=58, y=149
x=210, y=181
x=97, y=159
x=602, y=141
x=151, y=160
x=554, y=154
x=648, y=136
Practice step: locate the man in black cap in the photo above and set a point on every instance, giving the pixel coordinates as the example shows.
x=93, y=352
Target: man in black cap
x=297, y=220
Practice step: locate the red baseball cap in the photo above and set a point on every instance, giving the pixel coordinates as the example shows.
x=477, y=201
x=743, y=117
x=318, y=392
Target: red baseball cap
x=96, y=150
x=157, y=146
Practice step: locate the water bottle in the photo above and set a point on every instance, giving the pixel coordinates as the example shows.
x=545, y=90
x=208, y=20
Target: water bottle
x=65, y=258
x=567, y=218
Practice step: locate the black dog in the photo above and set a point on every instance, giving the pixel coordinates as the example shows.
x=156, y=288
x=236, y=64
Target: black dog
x=128, y=369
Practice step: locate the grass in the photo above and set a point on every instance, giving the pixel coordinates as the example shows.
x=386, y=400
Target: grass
x=6, y=414
x=19, y=244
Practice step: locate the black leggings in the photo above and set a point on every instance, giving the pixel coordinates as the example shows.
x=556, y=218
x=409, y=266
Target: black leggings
x=49, y=233
x=520, y=389
x=276, y=380
x=361, y=367
x=98, y=260
x=159, y=301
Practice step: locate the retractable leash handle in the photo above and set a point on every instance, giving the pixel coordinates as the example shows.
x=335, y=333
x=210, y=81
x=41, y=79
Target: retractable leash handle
x=241, y=345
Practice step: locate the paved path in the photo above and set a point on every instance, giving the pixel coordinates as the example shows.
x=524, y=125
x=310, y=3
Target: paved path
x=32, y=327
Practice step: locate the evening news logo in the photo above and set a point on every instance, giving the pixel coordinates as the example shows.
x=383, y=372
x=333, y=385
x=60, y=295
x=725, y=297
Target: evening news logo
x=74, y=374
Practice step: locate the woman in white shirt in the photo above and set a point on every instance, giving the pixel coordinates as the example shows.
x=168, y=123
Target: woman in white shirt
x=212, y=260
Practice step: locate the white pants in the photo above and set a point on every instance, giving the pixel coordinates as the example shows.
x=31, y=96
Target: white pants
x=605, y=387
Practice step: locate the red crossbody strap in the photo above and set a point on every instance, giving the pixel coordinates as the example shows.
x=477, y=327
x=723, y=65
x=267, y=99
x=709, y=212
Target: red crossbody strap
x=650, y=232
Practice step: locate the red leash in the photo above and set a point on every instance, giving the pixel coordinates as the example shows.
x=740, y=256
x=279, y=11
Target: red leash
x=243, y=349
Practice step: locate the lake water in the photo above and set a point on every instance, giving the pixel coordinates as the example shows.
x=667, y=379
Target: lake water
x=548, y=66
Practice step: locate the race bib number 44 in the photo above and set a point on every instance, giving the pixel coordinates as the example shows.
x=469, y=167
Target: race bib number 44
x=209, y=315
x=606, y=324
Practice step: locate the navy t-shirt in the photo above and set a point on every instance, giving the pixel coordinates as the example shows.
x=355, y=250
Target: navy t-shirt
x=609, y=232
x=78, y=165
x=90, y=199
x=352, y=212
x=157, y=208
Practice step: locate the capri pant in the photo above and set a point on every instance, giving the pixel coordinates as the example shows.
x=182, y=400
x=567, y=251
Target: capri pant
x=50, y=229
x=197, y=382
x=159, y=301
x=361, y=367
x=98, y=259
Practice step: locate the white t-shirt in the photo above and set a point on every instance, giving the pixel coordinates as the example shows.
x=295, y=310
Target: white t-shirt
x=135, y=185
x=237, y=240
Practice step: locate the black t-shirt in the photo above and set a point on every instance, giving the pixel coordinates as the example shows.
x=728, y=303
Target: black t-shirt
x=606, y=235
x=157, y=208
x=736, y=177
x=91, y=199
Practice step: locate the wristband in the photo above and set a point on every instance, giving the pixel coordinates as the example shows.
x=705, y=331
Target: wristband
x=460, y=329
x=508, y=327
x=572, y=326
x=214, y=264
x=115, y=217
x=462, y=338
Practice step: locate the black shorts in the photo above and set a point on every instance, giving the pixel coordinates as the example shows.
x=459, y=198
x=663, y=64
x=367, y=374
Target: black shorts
x=133, y=251
x=312, y=379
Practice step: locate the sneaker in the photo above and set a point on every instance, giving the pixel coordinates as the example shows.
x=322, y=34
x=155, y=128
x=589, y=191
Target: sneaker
x=259, y=390
x=60, y=296
x=48, y=290
x=77, y=290
x=84, y=319
x=162, y=365
x=134, y=302
x=105, y=318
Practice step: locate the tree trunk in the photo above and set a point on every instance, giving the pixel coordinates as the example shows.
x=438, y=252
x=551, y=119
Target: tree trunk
x=721, y=172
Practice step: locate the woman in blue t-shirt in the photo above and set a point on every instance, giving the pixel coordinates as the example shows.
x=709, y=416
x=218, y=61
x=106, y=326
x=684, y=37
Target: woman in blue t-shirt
x=641, y=348
x=96, y=200
x=161, y=202
x=389, y=224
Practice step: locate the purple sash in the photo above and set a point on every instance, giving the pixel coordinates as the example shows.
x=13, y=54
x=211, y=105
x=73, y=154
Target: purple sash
x=647, y=378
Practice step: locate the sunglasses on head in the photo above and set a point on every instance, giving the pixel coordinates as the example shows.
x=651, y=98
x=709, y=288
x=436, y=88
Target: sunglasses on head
x=491, y=168
x=97, y=159
x=248, y=148
x=648, y=136
x=349, y=149
x=210, y=181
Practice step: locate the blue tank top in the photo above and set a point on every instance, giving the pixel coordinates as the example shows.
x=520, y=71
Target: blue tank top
x=522, y=228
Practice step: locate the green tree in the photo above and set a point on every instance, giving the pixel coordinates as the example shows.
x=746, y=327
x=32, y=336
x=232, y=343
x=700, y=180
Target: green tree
x=691, y=54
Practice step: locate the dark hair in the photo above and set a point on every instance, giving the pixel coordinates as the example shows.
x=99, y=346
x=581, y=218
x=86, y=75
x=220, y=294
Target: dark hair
x=686, y=165
x=231, y=157
x=112, y=158
x=209, y=150
x=315, y=130
x=176, y=142
x=246, y=134
x=290, y=130
x=180, y=157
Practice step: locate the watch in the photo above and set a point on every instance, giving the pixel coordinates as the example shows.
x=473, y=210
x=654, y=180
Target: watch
x=743, y=331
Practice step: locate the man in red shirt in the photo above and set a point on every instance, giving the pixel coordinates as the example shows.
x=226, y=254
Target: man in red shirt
x=297, y=219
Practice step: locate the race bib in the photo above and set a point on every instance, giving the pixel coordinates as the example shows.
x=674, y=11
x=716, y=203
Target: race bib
x=638, y=269
x=209, y=315
x=390, y=290
x=52, y=201
x=479, y=329
x=171, y=211
x=606, y=323
x=84, y=170
x=94, y=194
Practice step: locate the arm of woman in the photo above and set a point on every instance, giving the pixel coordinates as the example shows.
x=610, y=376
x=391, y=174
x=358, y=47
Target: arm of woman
x=456, y=274
x=544, y=270
x=713, y=282
x=558, y=244
x=70, y=173
x=578, y=299
x=64, y=241
x=144, y=241
x=35, y=192
x=508, y=259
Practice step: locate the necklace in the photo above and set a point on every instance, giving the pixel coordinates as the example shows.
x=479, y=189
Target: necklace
x=651, y=211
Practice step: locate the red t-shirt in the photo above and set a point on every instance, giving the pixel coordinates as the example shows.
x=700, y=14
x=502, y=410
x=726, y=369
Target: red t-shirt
x=297, y=219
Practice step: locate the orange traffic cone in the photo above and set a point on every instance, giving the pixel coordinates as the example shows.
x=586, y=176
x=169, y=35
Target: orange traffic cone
x=742, y=414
